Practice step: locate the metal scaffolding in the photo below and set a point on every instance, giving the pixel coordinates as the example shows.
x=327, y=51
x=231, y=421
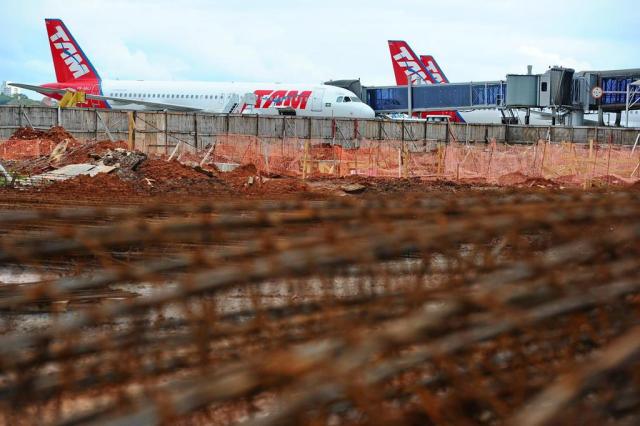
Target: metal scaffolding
x=632, y=98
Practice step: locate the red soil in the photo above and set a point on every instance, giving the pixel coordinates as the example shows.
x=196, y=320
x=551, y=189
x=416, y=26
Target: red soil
x=56, y=134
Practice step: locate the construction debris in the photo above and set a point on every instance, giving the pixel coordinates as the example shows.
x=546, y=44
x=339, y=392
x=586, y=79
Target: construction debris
x=71, y=171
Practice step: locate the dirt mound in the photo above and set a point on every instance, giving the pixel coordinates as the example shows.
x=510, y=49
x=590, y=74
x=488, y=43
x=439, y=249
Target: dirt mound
x=162, y=170
x=25, y=133
x=22, y=149
x=242, y=171
x=512, y=179
x=86, y=186
x=161, y=176
x=56, y=134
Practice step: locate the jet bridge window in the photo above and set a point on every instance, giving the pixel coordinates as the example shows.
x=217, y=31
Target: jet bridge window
x=543, y=86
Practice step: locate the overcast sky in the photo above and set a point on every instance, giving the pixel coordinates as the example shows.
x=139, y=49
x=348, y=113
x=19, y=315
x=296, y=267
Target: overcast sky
x=313, y=41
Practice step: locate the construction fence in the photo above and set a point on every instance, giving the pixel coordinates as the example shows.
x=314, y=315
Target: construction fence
x=162, y=131
x=567, y=163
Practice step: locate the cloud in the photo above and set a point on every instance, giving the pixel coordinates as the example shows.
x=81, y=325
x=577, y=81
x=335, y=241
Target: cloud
x=539, y=56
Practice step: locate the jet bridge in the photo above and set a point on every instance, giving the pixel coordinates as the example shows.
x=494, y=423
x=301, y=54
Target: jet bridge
x=453, y=96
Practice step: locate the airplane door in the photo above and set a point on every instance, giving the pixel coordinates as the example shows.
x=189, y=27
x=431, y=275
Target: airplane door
x=317, y=98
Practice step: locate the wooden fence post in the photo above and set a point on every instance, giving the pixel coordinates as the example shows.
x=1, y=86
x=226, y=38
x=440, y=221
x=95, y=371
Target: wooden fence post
x=131, y=143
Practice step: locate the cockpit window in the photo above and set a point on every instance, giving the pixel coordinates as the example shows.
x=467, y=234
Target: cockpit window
x=340, y=98
x=347, y=99
x=355, y=99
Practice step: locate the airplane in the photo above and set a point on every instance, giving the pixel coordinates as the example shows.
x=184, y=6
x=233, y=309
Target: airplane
x=431, y=64
x=426, y=70
x=75, y=73
x=406, y=63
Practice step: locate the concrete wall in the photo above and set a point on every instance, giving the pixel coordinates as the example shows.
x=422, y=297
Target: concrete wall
x=161, y=131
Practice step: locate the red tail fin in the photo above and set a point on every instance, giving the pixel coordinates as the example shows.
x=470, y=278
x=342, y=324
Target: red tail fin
x=431, y=64
x=405, y=63
x=69, y=61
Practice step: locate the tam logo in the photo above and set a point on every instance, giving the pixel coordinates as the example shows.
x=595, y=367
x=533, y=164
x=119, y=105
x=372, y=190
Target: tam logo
x=282, y=98
x=434, y=71
x=69, y=54
x=405, y=60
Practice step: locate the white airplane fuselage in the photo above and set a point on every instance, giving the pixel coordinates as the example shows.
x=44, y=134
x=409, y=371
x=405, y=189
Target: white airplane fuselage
x=254, y=98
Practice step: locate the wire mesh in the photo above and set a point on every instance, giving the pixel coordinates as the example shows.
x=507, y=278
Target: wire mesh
x=479, y=307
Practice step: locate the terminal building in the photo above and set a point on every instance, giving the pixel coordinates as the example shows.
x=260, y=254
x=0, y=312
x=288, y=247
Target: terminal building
x=560, y=95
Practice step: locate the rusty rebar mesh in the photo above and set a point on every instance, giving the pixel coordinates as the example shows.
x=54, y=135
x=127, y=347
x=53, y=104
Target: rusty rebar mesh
x=477, y=307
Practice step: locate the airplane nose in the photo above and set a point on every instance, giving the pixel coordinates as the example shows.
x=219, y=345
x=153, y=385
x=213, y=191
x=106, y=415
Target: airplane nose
x=367, y=111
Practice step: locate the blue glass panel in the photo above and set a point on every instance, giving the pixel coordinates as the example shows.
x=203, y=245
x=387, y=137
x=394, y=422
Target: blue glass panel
x=437, y=96
x=441, y=96
x=387, y=99
x=615, y=84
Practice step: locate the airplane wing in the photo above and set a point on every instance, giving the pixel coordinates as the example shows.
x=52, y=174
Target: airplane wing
x=38, y=89
x=120, y=101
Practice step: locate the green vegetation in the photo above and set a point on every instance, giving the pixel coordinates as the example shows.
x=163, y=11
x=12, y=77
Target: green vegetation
x=17, y=100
